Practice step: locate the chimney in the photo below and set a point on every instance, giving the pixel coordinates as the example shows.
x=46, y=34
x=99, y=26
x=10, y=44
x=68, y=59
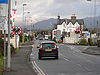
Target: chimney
x=73, y=16
x=58, y=20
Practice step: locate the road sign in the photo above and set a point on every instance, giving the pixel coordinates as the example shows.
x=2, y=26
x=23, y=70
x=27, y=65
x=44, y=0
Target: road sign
x=3, y=15
x=58, y=33
x=4, y=1
x=3, y=9
x=15, y=30
x=3, y=20
x=88, y=35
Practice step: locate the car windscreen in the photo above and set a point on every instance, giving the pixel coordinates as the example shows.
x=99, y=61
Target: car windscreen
x=48, y=46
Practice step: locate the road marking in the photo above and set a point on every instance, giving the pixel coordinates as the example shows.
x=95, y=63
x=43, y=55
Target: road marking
x=65, y=58
x=79, y=65
x=84, y=67
x=87, y=69
x=40, y=72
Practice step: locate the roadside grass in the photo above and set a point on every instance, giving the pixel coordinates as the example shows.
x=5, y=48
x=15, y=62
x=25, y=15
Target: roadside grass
x=20, y=43
x=59, y=42
x=26, y=41
x=1, y=64
x=16, y=49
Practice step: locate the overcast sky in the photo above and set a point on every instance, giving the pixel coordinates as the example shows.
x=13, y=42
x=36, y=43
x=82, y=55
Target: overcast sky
x=43, y=9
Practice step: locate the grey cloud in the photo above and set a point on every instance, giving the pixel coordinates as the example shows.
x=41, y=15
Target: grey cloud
x=43, y=8
x=66, y=1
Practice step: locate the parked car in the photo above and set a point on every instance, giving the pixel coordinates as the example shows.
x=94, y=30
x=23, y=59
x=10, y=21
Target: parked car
x=48, y=49
x=40, y=38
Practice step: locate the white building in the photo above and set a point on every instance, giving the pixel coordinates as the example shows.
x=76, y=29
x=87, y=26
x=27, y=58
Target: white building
x=70, y=26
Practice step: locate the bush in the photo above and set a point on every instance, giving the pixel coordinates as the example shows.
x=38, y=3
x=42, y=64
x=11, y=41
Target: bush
x=2, y=47
x=20, y=38
x=90, y=42
x=25, y=39
x=83, y=42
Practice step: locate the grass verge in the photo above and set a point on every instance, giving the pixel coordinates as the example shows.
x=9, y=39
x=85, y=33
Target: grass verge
x=1, y=64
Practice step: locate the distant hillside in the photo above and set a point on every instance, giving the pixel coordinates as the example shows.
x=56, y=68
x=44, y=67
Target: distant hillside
x=89, y=22
x=45, y=24
x=49, y=23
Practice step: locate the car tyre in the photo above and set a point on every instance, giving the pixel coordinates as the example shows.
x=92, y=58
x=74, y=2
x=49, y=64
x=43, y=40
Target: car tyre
x=39, y=57
x=56, y=57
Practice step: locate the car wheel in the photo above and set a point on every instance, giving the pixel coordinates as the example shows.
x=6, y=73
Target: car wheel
x=56, y=57
x=39, y=56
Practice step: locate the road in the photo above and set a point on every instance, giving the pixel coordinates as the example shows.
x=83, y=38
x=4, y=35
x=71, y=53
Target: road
x=71, y=62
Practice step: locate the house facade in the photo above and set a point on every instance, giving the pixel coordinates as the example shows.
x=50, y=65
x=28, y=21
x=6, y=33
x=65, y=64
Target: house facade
x=70, y=28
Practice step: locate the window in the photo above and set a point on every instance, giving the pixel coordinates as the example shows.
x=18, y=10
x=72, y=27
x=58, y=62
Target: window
x=48, y=45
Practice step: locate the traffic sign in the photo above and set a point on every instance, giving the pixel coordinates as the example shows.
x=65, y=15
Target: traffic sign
x=15, y=30
x=2, y=22
x=58, y=33
x=4, y=1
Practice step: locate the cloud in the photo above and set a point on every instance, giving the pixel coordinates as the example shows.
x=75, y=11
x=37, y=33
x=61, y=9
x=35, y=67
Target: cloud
x=92, y=1
x=43, y=9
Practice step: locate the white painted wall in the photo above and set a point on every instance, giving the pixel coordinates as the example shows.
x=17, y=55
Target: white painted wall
x=68, y=28
x=15, y=42
x=74, y=38
x=71, y=28
x=62, y=27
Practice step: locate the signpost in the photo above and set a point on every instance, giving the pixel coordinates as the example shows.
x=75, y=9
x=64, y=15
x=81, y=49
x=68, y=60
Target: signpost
x=3, y=24
x=58, y=35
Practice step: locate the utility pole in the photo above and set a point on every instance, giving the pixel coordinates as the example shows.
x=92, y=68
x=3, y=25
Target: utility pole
x=9, y=51
x=97, y=30
x=4, y=62
x=23, y=22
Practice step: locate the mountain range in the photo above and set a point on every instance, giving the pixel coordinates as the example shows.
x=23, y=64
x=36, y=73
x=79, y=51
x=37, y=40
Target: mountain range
x=89, y=22
x=49, y=23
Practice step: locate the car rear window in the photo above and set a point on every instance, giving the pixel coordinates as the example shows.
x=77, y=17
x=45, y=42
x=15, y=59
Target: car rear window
x=48, y=45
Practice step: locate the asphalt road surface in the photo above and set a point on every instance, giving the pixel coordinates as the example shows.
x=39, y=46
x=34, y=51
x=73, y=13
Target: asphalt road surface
x=71, y=62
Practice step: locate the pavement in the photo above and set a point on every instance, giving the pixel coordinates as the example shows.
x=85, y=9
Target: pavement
x=20, y=64
x=93, y=50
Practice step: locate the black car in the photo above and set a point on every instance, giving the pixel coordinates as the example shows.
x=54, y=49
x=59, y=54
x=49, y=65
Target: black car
x=48, y=49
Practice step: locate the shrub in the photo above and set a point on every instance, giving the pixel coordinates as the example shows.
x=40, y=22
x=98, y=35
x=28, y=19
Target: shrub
x=25, y=39
x=83, y=42
x=1, y=46
x=90, y=42
x=20, y=38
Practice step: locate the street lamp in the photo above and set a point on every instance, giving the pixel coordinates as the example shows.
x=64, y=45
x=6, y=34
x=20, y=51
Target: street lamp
x=23, y=22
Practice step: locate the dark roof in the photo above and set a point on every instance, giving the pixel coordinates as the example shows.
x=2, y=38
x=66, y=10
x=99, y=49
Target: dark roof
x=73, y=21
x=61, y=21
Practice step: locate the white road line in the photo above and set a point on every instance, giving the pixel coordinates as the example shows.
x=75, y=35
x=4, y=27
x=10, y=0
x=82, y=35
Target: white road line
x=65, y=58
x=87, y=69
x=79, y=65
x=38, y=68
x=84, y=67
